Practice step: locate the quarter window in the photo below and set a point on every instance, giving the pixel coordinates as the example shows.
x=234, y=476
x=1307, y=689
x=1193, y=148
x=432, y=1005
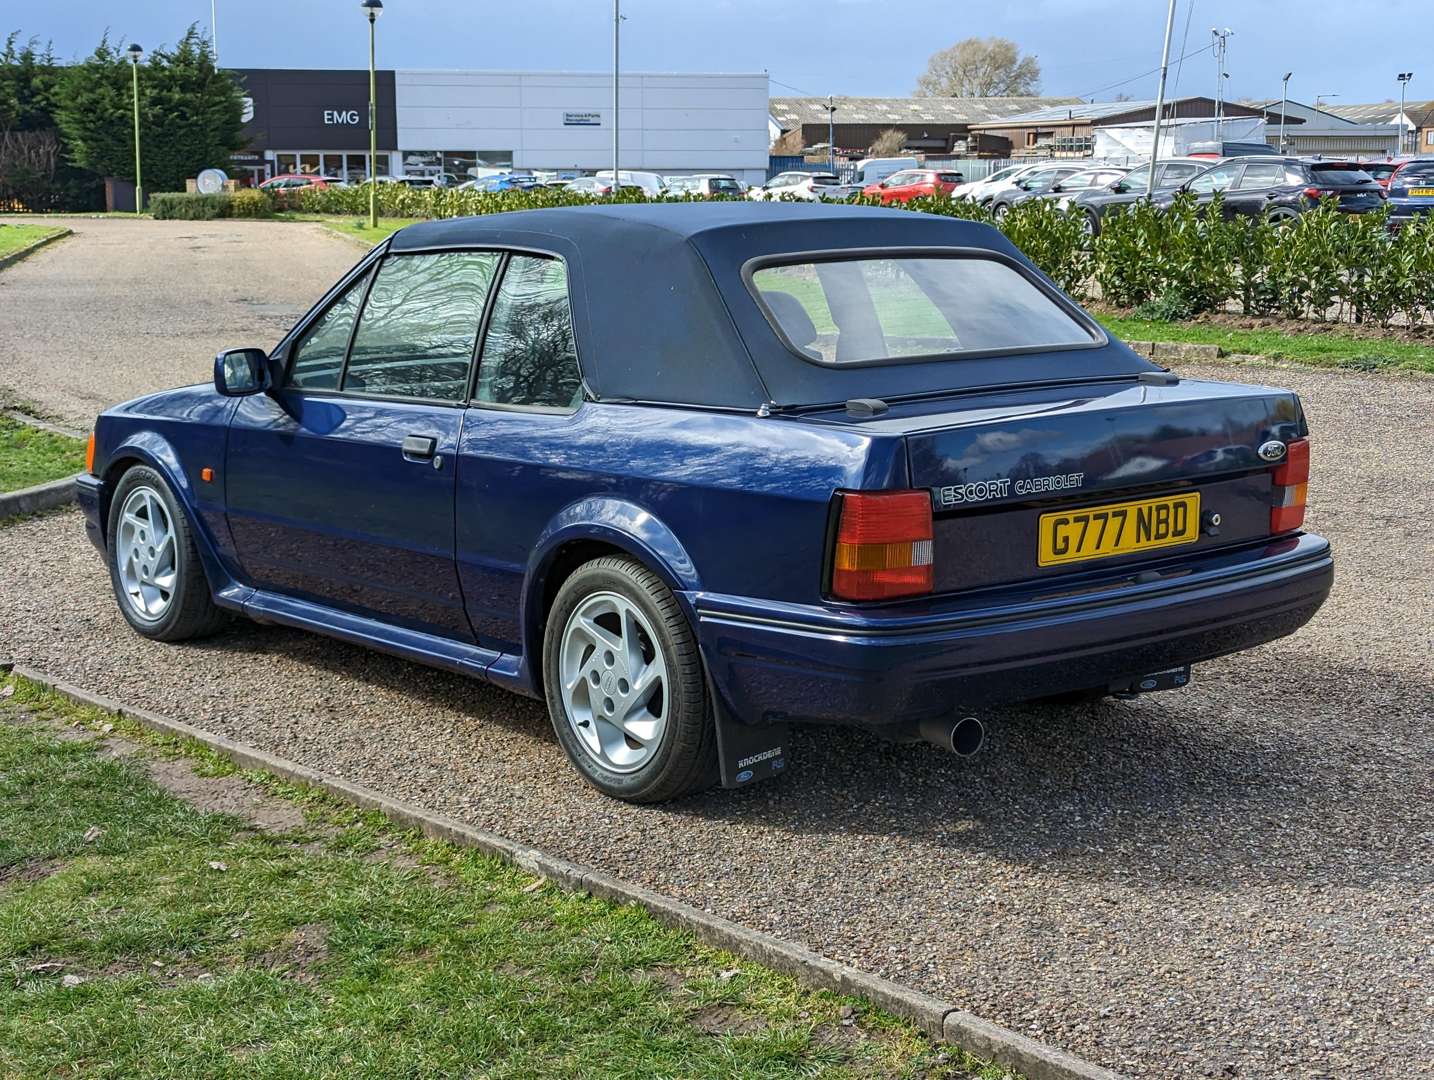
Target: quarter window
x=420, y=325
x=528, y=354
x=318, y=358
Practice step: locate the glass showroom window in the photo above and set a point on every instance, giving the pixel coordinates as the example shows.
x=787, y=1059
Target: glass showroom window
x=286, y=163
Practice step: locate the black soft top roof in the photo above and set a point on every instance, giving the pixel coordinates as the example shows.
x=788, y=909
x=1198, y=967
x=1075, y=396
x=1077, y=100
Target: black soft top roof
x=662, y=312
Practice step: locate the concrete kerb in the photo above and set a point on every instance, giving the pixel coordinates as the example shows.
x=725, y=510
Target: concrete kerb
x=30, y=249
x=939, y=1019
x=32, y=500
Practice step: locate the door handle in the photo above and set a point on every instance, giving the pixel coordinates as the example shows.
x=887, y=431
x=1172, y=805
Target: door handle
x=419, y=447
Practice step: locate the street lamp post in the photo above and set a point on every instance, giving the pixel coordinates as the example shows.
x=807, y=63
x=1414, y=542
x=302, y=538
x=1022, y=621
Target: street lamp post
x=616, y=116
x=831, y=133
x=135, y=52
x=1403, y=77
x=1284, y=107
x=373, y=9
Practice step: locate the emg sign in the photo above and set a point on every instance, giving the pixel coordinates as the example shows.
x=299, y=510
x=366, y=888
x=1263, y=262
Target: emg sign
x=341, y=116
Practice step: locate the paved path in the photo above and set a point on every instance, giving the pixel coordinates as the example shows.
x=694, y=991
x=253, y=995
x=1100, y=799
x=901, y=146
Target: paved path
x=1235, y=879
x=124, y=307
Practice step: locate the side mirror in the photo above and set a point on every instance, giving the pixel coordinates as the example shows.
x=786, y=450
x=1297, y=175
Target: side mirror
x=241, y=372
x=1024, y=185
x=1120, y=187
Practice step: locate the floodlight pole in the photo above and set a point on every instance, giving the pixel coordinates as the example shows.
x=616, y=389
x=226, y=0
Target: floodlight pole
x=135, y=52
x=214, y=29
x=1160, y=99
x=616, y=120
x=373, y=9
x=1404, y=77
x=831, y=133
x=1284, y=107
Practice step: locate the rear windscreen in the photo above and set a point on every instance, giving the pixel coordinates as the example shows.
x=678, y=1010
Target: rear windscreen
x=1423, y=176
x=869, y=309
x=1339, y=174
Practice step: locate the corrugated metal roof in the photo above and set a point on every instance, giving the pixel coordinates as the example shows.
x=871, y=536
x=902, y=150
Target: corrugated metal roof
x=1382, y=112
x=792, y=111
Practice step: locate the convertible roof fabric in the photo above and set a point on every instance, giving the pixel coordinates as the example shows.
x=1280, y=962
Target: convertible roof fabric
x=661, y=311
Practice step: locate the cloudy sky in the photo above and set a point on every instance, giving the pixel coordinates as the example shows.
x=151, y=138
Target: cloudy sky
x=1091, y=48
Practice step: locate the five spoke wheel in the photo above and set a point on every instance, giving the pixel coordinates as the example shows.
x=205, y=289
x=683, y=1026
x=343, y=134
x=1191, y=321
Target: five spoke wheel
x=614, y=681
x=146, y=554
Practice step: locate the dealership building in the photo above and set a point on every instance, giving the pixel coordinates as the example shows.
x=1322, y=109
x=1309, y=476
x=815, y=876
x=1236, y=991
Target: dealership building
x=465, y=122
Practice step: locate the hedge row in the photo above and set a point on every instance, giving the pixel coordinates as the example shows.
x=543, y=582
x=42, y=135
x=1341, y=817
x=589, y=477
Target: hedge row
x=244, y=203
x=1172, y=263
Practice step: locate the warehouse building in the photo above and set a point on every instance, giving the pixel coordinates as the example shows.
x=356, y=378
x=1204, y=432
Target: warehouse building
x=464, y=123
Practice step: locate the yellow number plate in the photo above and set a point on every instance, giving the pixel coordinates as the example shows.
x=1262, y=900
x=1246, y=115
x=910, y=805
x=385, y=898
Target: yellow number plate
x=1097, y=532
x=1421, y=192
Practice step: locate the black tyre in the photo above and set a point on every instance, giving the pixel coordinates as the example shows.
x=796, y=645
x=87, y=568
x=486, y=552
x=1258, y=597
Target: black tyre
x=1090, y=224
x=1282, y=218
x=154, y=568
x=1000, y=210
x=625, y=684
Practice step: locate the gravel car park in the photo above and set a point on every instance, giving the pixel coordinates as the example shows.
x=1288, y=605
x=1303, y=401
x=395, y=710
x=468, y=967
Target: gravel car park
x=1231, y=879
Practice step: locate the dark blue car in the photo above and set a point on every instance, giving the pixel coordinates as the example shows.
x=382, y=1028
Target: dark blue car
x=693, y=472
x=1411, y=191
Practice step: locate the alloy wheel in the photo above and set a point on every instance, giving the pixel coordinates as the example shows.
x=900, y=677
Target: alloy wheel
x=614, y=682
x=147, y=554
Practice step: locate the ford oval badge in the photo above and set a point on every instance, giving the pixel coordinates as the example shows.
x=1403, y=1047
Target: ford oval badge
x=1272, y=450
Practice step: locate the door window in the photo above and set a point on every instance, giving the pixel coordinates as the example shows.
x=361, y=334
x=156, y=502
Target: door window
x=318, y=358
x=529, y=357
x=1257, y=177
x=420, y=324
x=1177, y=173
x=1216, y=179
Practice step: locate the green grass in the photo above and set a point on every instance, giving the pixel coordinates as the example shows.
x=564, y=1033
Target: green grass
x=348, y=948
x=30, y=456
x=1331, y=349
x=15, y=237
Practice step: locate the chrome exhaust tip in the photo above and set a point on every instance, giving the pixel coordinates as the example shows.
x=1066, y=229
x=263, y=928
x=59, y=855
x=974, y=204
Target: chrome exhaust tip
x=963, y=737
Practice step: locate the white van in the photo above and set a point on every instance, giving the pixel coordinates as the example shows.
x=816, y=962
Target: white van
x=876, y=169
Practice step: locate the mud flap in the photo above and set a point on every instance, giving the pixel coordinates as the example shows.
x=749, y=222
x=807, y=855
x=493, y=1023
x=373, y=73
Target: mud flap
x=747, y=752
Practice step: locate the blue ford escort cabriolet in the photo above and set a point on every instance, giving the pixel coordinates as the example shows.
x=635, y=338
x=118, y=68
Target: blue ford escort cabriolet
x=692, y=472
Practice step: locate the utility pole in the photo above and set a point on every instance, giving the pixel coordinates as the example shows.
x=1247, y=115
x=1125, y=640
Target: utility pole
x=1160, y=99
x=135, y=52
x=1222, y=38
x=1284, y=106
x=831, y=133
x=1403, y=77
x=616, y=34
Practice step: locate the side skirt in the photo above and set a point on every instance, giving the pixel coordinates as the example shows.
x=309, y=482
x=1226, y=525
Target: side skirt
x=430, y=649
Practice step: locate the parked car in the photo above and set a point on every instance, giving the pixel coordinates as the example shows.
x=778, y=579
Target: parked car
x=1094, y=203
x=806, y=186
x=1068, y=188
x=1280, y=189
x=649, y=182
x=1382, y=171
x=707, y=185
x=291, y=182
x=1411, y=191
x=913, y=183
x=1023, y=187
x=872, y=470
x=502, y=182
x=982, y=191
x=591, y=185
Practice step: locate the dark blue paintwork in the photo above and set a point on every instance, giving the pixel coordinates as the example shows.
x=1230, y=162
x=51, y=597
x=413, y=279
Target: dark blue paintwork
x=710, y=452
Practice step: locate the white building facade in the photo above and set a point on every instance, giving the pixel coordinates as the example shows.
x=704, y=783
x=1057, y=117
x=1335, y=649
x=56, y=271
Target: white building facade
x=461, y=121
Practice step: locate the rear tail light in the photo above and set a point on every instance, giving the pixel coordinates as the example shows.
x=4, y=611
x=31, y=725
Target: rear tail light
x=90, y=455
x=1291, y=483
x=883, y=545
x=1318, y=193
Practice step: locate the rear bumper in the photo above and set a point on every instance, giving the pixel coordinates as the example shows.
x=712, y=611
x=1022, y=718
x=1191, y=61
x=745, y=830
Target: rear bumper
x=847, y=666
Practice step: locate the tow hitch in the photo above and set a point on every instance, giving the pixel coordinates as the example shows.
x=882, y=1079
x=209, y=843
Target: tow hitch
x=1169, y=679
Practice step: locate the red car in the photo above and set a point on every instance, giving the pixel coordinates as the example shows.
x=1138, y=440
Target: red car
x=912, y=183
x=296, y=182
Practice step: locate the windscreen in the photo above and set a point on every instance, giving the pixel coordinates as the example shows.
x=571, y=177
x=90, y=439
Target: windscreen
x=1339, y=173
x=869, y=309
